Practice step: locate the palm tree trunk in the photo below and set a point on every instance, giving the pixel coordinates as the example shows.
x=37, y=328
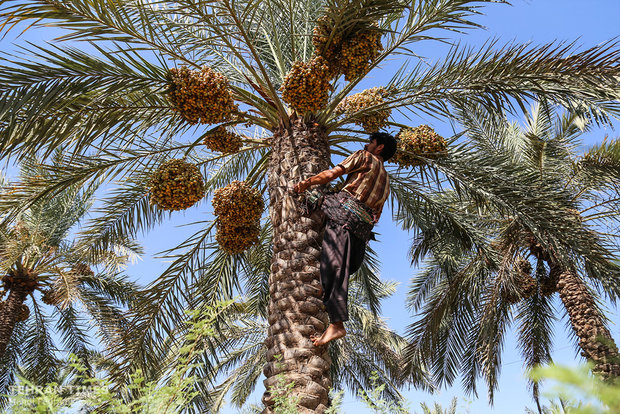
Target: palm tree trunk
x=295, y=309
x=9, y=312
x=596, y=342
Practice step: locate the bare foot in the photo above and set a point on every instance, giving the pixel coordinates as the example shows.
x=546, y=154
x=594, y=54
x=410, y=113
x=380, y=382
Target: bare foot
x=333, y=331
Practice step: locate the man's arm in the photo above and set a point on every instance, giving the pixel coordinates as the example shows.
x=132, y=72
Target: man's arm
x=321, y=178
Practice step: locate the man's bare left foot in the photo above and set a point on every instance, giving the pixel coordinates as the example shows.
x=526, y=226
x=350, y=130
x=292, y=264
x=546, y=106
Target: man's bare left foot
x=315, y=338
x=333, y=331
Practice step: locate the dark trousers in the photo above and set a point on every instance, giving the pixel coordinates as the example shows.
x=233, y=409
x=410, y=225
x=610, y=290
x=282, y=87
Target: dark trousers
x=342, y=254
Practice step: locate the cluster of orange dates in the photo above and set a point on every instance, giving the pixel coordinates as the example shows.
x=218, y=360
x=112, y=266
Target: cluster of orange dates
x=418, y=141
x=238, y=208
x=176, y=185
x=371, y=120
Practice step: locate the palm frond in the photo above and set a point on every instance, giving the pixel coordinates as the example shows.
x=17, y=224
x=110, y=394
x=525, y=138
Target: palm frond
x=367, y=277
x=535, y=319
x=514, y=191
x=159, y=310
x=111, y=322
x=490, y=342
x=255, y=270
x=9, y=364
x=114, y=286
x=243, y=359
x=76, y=99
x=125, y=215
x=452, y=299
x=370, y=346
x=102, y=20
x=601, y=164
x=75, y=339
x=40, y=363
x=508, y=76
x=60, y=214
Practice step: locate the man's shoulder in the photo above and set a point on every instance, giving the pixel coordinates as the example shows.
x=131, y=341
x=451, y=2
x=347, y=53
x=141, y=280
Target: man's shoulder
x=354, y=158
x=378, y=161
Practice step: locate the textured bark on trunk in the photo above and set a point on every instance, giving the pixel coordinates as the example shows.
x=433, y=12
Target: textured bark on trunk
x=9, y=312
x=595, y=340
x=295, y=307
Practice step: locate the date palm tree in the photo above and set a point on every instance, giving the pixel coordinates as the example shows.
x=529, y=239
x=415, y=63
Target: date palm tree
x=470, y=292
x=113, y=107
x=370, y=347
x=48, y=286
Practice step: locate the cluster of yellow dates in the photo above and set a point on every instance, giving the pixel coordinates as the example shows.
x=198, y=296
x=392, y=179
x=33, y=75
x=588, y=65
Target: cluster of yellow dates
x=222, y=140
x=201, y=96
x=238, y=208
x=176, y=185
x=306, y=87
x=350, y=56
x=421, y=141
x=371, y=120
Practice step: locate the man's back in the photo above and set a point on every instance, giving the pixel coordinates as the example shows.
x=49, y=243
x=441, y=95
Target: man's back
x=367, y=180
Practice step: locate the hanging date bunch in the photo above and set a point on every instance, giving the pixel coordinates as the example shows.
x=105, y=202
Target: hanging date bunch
x=548, y=281
x=359, y=52
x=23, y=313
x=371, y=121
x=524, y=282
x=421, y=141
x=306, y=87
x=51, y=297
x=327, y=43
x=176, y=185
x=237, y=203
x=25, y=280
x=350, y=55
x=549, y=284
x=201, y=96
x=222, y=140
x=238, y=208
x=237, y=239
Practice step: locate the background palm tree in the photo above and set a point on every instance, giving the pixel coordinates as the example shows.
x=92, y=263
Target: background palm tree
x=53, y=302
x=68, y=386
x=470, y=291
x=109, y=109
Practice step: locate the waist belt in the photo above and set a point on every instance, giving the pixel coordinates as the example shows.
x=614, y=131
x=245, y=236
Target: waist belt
x=341, y=208
x=359, y=209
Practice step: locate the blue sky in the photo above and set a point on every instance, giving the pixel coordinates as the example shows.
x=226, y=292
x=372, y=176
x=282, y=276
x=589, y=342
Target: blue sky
x=590, y=23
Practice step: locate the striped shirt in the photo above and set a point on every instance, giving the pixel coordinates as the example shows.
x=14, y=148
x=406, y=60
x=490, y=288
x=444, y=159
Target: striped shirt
x=367, y=180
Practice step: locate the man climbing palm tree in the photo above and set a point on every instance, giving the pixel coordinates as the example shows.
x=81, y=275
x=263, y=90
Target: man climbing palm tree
x=351, y=215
